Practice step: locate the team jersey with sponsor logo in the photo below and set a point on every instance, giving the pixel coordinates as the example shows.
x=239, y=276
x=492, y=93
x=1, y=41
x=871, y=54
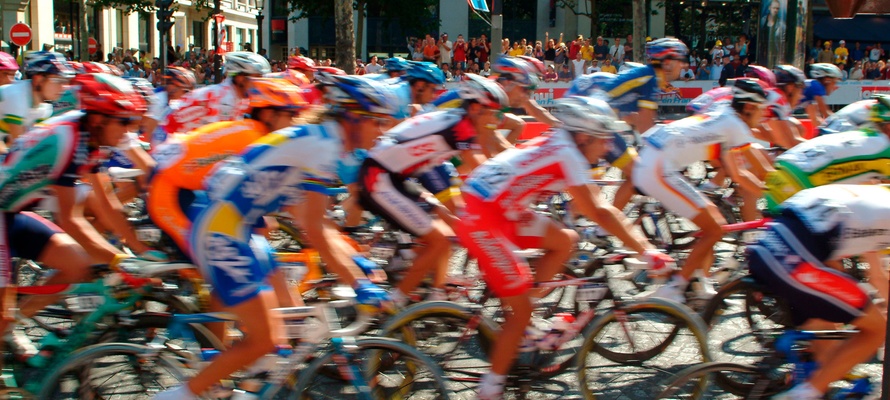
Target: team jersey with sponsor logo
x=206, y=105
x=424, y=141
x=848, y=118
x=191, y=156
x=859, y=213
x=626, y=92
x=812, y=89
x=699, y=137
x=16, y=109
x=777, y=106
x=849, y=157
x=515, y=178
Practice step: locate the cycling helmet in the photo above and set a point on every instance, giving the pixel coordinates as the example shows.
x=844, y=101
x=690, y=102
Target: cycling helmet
x=47, y=62
x=825, y=70
x=144, y=88
x=7, y=62
x=788, y=74
x=245, y=62
x=364, y=96
x=764, y=74
x=301, y=63
x=77, y=67
x=426, y=71
x=588, y=115
x=291, y=75
x=748, y=91
x=275, y=93
x=180, y=77
x=108, y=94
x=325, y=75
x=115, y=70
x=880, y=112
x=536, y=64
x=96, y=68
x=484, y=91
x=667, y=49
x=396, y=64
x=516, y=69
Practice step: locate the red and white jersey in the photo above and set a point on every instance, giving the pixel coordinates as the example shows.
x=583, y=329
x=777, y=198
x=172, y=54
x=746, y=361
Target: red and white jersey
x=699, y=137
x=777, y=107
x=424, y=141
x=515, y=178
x=206, y=105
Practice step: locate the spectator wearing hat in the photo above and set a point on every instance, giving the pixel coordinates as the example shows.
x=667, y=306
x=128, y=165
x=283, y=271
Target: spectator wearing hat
x=717, y=51
x=826, y=55
x=841, y=53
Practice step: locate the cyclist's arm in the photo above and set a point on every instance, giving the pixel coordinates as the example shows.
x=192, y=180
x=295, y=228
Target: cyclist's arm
x=733, y=162
x=784, y=133
x=644, y=119
x=823, y=108
x=141, y=159
x=589, y=202
x=812, y=112
x=72, y=221
x=540, y=114
x=516, y=126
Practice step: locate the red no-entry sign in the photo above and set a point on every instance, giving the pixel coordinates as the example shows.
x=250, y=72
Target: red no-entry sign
x=20, y=34
x=92, y=46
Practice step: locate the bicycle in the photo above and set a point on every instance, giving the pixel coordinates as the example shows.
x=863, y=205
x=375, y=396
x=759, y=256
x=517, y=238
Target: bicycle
x=348, y=367
x=629, y=333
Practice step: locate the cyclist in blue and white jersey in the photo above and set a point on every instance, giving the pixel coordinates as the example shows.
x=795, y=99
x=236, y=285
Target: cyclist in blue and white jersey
x=825, y=78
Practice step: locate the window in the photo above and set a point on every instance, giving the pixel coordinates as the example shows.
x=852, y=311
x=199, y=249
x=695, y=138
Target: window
x=199, y=31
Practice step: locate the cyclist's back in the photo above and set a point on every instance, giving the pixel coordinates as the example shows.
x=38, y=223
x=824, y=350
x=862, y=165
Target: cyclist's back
x=207, y=105
x=851, y=117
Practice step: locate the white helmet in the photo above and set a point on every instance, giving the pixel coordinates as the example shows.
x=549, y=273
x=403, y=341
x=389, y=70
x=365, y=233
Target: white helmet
x=825, y=70
x=484, y=91
x=245, y=62
x=588, y=115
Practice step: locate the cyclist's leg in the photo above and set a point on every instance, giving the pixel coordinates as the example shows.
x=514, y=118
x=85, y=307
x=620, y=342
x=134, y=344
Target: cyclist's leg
x=861, y=347
x=543, y=233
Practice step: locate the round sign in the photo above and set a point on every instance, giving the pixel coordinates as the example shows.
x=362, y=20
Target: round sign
x=92, y=46
x=20, y=34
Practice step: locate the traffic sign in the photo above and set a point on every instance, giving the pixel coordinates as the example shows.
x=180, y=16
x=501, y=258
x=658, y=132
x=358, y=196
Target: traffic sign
x=92, y=46
x=20, y=34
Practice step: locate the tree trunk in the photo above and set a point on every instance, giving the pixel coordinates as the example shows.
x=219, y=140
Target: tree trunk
x=345, y=36
x=360, y=29
x=84, y=33
x=639, y=36
x=594, y=21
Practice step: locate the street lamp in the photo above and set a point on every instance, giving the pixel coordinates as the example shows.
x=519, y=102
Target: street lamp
x=259, y=25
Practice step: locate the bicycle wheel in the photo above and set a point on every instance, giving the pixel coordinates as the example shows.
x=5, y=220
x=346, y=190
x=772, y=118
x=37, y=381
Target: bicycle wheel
x=392, y=369
x=114, y=371
x=697, y=382
x=640, y=341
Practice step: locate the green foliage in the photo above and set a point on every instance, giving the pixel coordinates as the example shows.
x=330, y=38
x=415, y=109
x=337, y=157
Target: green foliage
x=413, y=15
x=141, y=6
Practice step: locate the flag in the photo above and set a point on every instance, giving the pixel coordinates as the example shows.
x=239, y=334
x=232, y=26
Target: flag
x=222, y=38
x=479, y=5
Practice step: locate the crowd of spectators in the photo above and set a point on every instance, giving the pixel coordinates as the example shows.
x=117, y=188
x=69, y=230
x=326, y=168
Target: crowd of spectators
x=857, y=62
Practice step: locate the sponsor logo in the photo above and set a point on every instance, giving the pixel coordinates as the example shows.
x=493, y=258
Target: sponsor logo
x=262, y=183
x=205, y=161
x=224, y=254
x=405, y=211
x=422, y=149
x=542, y=153
x=500, y=259
x=24, y=180
x=855, y=233
x=835, y=173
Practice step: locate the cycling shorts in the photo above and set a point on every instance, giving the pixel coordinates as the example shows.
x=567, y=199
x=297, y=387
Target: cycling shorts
x=27, y=235
x=620, y=154
x=493, y=239
x=655, y=178
x=390, y=196
x=234, y=261
x=442, y=181
x=782, y=262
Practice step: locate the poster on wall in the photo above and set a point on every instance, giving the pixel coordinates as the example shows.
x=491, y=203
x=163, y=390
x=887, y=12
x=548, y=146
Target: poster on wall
x=773, y=30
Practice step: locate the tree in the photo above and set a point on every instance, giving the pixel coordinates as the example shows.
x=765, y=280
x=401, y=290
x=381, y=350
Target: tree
x=345, y=35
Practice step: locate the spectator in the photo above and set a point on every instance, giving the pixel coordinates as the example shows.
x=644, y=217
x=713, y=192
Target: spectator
x=732, y=68
x=882, y=70
x=561, y=57
x=703, y=72
x=447, y=71
x=616, y=52
x=578, y=66
x=600, y=50
x=872, y=71
x=460, y=52
x=550, y=75
x=608, y=67
x=686, y=74
x=575, y=46
x=505, y=47
x=856, y=54
x=717, y=69
x=564, y=74
x=373, y=67
x=856, y=71
x=445, y=46
x=483, y=49
x=471, y=53
x=486, y=70
x=717, y=51
x=550, y=52
x=728, y=48
x=529, y=51
x=844, y=74
x=808, y=65
x=841, y=53
x=517, y=50
x=416, y=49
x=458, y=74
x=430, y=51
x=628, y=51
x=693, y=60
x=594, y=67
x=539, y=51
x=587, y=52
x=876, y=53
x=742, y=46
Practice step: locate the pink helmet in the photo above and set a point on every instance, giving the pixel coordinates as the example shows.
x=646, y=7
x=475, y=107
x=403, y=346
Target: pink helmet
x=7, y=62
x=764, y=74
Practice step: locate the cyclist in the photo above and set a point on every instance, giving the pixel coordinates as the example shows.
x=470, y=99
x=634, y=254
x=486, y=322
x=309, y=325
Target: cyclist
x=724, y=133
x=632, y=93
x=498, y=218
x=395, y=67
x=424, y=78
x=9, y=67
x=304, y=65
x=825, y=78
x=226, y=101
x=413, y=148
x=289, y=166
x=519, y=78
x=178, y=82
x=814, y=229
x=859, y=156
x=56, y=155
x=854, y=116
x=24, y=103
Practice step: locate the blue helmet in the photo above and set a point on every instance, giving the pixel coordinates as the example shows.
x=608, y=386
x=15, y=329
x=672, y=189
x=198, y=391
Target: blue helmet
x=426, y=71
x=366, y=96
x=47, y=62
x=396, y=64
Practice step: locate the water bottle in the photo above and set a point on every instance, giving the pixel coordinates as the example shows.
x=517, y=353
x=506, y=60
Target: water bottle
x=559, y=324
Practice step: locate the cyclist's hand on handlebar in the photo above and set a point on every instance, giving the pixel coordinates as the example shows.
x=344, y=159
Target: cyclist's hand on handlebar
x=369, y=294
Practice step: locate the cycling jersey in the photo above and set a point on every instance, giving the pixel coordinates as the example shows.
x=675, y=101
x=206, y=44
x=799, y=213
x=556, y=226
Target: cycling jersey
x=68, y=101
x=16, y=107
x=206, y=105
x=813, y=89
x=587, y=84
x=271, y=173
x=626, y=92
x=849, y=157
x=411, y=149
x=184, y=161
x=816, y=225
x=671, y=148
x=159, y=111
x=777, y=106
x=849, y=118
x=498, y=218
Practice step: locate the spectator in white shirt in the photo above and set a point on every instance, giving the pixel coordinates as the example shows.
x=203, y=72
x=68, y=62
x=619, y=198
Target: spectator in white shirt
x=716, y=68
x=686, y=74
x=856, y=71
x=373, y=67
x=616, y=53
x=594, y=67
x=577, y=66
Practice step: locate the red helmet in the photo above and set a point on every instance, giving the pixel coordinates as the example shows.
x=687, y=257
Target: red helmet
x=96, y=68
x=301, y=63
x=78, y=67
x=108, y=94
x=8, y=62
